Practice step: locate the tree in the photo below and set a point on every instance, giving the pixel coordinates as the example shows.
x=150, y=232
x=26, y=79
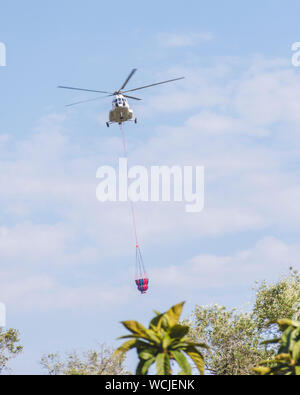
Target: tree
x=274, y=301
x=287, y=361
x=9, y=347
x=91, y=363
x=235, y=338
x=163, y=342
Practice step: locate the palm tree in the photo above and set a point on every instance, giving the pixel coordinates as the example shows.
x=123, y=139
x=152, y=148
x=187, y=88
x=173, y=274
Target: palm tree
x=287, y=362
x=164, y=341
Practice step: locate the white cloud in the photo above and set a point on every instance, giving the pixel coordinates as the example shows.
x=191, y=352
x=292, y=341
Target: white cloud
x=269, y=97
x=30, y=243
x=177, y=40
x=44, y=293
x=268, y=259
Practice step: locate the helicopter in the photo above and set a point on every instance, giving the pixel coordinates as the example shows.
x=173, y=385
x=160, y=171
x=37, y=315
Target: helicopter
x=121, y=111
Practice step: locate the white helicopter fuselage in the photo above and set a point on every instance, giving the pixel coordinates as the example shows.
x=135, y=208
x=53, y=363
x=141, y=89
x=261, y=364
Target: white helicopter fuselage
x=121, y=111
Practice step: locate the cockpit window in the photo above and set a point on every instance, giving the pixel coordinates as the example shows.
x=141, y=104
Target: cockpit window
x=120, y=102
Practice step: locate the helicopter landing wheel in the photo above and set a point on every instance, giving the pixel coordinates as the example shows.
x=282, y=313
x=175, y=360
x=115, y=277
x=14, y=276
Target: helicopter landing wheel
x=135, y=121
x=107, y=124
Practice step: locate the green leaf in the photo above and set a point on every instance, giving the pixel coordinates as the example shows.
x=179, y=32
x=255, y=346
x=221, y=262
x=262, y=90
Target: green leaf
x=296, y=335
x=129, y=337
x=182, y=362
x=164, y=323
x=163, y=364
x=153, y=336
x=139, y=368
x=157, y=313
x=197, y=357
x=144, y=366
x=156, y=322
x=135, y=327
x=202, y=345
x=166, y=341
x=296, y=324
x=126, y=347
x=174, y=314
x=286, y=340
x=294, y=339
x=296, y=353
x=186, y=343
x=147, y=366
x=297, y=370
x=147, y=354
x=274, y=341
x=262, y=371
x=269, y=362
x=283, y=357
x=284, y=323
x=179, y=331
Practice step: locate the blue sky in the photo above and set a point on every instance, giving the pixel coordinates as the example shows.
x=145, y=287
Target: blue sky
x=66, y=261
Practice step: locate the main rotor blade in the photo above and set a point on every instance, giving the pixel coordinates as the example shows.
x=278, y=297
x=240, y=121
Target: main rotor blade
x=85, y=90
x=131, y=97
x=148, y=86
x=128, y=79
x=87, y=101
